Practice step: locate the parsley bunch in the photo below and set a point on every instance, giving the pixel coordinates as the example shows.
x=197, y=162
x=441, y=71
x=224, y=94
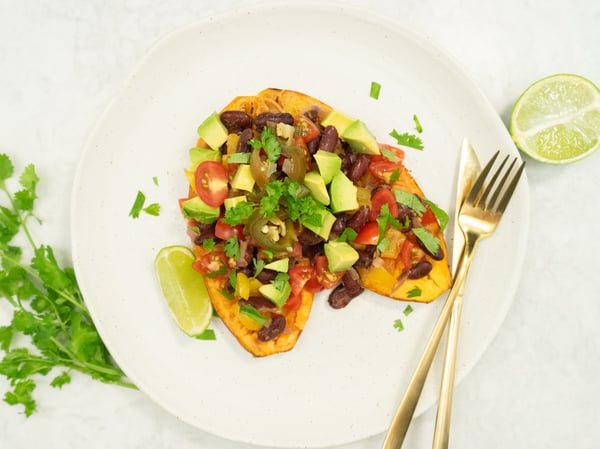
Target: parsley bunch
x=47, y=305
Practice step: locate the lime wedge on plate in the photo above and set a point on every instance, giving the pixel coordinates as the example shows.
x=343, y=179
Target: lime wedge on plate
x=184, y=289
x=557, y=119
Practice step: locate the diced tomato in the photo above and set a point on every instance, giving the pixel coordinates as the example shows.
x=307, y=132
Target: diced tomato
x=428, y=217
x=310, y=131
x=299, y=276
x=225, y=231
x=325, y=277
x=398, y=153
x=211, y=183
x=405, y=253
x=382, y=166
x=368, y=235
x=293, y=302
x=213, y=262
x=381, y=197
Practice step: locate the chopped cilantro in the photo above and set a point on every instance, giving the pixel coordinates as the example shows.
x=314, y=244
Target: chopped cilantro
x=232, y=247
x=280, y=280
x=375, y=89
x=347, y=234
x=407, y=140
x=208, y=334
x=208, y=244
x=259, y=265
x=152, y=209
x=418, y=126
x=395, y=175
x=441, y=214
x=138, y=205
x=269, y=143
x=410, y=200
x=431, y=242
x=155, y=180
x=414, y=293
x=222, y=270
x=408, y=309
x=252, y=313
x=239, y=213
x=398, y=325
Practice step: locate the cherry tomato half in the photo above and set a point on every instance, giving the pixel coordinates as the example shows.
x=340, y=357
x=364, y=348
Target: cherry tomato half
x=213, y=263
x=381, y=197
x=325, y=277
x=211, y=183
x=368, y=235
x=310, y=131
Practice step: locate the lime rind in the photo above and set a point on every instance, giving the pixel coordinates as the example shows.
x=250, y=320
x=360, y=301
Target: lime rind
x=557, y=119
x=183, y=289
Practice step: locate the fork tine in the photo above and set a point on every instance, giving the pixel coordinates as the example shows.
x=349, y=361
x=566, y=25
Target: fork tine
x=502, y=182
x=478, y=184
x=490, y=186
x=510, y=189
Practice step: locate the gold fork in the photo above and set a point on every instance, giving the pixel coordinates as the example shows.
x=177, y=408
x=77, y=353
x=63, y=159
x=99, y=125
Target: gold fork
x=478, y=218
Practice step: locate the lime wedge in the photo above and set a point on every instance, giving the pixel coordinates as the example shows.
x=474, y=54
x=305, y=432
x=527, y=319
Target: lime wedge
x=184, y=289
x=557, y=119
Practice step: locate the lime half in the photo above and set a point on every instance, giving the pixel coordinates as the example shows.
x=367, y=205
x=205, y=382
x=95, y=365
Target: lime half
x=557, y=119
x=184, y=289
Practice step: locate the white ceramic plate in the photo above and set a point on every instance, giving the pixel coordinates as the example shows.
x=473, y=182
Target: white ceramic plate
x=350, y=368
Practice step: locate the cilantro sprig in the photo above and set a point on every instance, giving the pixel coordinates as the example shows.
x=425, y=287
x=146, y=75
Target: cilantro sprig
x=407, y=140
x=269, y=143
x=51, y=331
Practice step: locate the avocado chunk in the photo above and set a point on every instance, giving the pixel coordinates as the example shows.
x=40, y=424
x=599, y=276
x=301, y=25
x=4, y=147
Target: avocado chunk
x=280, y=265
x=200, y=211
x=198, y=155
x=316, y=185
x=360, y=138
x=343, y=194
x=275, y=295
x=338, y=120
x=327, y=221
x=212, y=131
x=231, y=202
x=340, y=256
x=329, y=164
x=243, y=179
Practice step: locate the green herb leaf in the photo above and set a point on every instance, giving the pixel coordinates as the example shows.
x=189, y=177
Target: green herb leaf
x=254, y=314
x=238, y=214
x=398, y=325
x=431, y=242
x=418, y=126
x=440, y=214
x=408, y=309
x=410, y=200
x=414, y=293
x=348, y=234
x=138, y=205
x=208, y=244
x=232, y=247
x=61, y=380
x=208, y=334
x=153, y=209
x=407, y=140
x=395, y=175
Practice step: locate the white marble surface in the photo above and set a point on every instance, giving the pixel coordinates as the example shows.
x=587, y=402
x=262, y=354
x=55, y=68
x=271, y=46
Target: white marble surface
x=537, y=385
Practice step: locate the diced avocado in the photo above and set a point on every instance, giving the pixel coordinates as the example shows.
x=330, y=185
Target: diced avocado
x=343, y=194
x=340, y=256
x=198, y=155
x=360, y=138
x=213, y=131
x=243, y=180
x=329, y=164
x=275, y=295
x=338, y=120
x=281, y=265
x=327, y=220
x=200, y=211
x=231, y=202
x=316, y=185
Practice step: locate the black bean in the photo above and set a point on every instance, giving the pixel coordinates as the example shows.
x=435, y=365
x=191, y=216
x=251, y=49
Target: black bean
x=340, y=297
x=359, y=219
x=359, y=167
x=308, y=237
x=351, y=281
x=206, y=235
x=273, y=328
x=437, y=256
x=339, y=225
x=245, y=136
x=313, y=145
x=347, y=161
x=258, y=302
x=312, y=251
x=420, y=270
x=236, y=121
x=312, y=115
x=275, y=117
x=266, y=276
x=365, y=256
x=329, y=139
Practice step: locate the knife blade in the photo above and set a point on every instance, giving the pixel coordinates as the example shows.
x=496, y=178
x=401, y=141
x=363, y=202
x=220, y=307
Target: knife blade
x=468, y=171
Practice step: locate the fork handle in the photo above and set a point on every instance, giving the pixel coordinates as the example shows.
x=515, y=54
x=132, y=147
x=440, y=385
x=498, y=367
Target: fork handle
x=401, y=420
x=444, y=410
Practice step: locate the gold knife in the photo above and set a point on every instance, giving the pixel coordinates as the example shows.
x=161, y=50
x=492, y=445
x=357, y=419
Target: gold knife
x=468, y=170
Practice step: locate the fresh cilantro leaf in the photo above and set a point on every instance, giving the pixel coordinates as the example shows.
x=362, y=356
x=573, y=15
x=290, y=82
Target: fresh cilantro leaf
x=431, y=242
x=208, y=334
x=267, y=254
x=388, y=154
x=410, y=200
x=440, y=213
x=232, y=247
x=208, y=244
x=395, y=175
x=259, y=265
x=155, y=180
x=408, y=309
x=269, y=143
x=375, y=89
x=138, y=205
x=383, y=245
x=418, y=126
x=414, y=293
x=233, y=279
x=152, y=209
x=21, y=394
x=6, y=168
x=348, y=234
x=407, y=140
x=280, y=280
x=398, y=325
x=253, y=313
x=61, y=380
x=222, y=270
x=269, y=204
x=239, y=213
